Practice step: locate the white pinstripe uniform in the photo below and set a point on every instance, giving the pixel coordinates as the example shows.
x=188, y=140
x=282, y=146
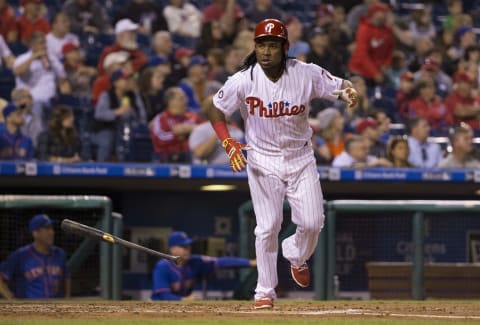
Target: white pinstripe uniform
x=281, y=163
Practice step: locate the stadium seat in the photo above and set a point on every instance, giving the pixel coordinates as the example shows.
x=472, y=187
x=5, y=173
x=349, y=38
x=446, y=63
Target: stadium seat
x=7, y=82
x=17, y=48
x=141, y=147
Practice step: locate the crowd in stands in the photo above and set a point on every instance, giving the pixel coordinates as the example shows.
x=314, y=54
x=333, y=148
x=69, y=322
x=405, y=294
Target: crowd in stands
x=127, y=80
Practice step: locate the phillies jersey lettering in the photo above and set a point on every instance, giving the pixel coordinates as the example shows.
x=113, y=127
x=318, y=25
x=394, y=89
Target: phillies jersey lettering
x=34, y=274
x=276, y=113
x=275, y=109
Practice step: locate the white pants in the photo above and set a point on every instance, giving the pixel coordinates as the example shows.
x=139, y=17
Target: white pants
x=271, y=180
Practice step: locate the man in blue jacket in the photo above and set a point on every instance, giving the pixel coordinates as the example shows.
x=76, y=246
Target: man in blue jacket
x=176, y=281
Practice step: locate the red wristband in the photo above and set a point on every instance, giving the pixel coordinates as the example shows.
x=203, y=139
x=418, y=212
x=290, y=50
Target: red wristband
x=221, y=129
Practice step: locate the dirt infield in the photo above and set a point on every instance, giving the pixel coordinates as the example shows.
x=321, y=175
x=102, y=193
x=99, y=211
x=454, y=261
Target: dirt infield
x=452, y=310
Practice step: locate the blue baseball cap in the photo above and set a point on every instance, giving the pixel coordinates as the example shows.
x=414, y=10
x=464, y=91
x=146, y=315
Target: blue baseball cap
x=157, y=60
x=179, y=238
x=7, y=110
x=39, y=221
x=197, y=60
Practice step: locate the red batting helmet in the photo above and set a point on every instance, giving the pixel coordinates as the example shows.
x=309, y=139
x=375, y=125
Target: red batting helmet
x=272, y=27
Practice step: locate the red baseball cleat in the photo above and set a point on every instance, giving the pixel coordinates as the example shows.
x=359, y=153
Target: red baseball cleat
x=301, y=275
x=263, y=303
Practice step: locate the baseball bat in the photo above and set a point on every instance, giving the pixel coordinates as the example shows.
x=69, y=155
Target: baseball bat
x=97, y=234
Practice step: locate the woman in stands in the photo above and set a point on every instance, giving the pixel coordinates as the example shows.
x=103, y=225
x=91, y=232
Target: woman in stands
x=397, y=152
x=60, y=143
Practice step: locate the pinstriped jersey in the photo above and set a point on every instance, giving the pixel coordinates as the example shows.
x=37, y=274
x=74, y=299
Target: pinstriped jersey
x=276, y=113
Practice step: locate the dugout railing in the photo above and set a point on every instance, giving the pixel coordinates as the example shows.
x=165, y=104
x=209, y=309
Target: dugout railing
x=16, y=210
x=325, y=255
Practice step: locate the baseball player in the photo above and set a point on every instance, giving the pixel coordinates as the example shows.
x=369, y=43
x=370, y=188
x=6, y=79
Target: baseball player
x=36, y=270
x=176, y=281
x=273, y=93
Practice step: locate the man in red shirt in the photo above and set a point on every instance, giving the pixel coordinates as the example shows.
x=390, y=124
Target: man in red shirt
x=8, y=24
x=170, y=129
x=126, y=40
x=32, y=21
x=461, y=105
x=374, y=45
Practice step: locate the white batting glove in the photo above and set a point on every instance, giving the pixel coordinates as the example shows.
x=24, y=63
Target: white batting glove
x=349, y=95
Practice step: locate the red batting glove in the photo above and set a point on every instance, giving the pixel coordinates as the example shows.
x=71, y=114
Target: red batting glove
x=234, y=152
x=349, y=95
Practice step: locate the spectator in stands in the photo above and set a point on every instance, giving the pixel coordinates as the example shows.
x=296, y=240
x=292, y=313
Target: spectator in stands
x=60, y=35
x=462, y=106
x=464, y=37
x=36, y=71
x=8, y=23
x=374, y=45
x=322, y=54
x=60, y=142
x=352, y=116
x=116, y=111
x=6, y=55
x=13, y=144
x=22, y=98
x=171, y=129
x=184, y=22
x=146, y=13
x=357, y=12
x=182, y=59
x=204, y=144
x=227, y=12
x=431, y=68
x=87, y=17
x=244, y=42
x=119, y=60
x=405, y=94
x=125, y=40
x=298, y=48
x=339, y=37
x=455, y=18
x=330, y=140
x=163, y=66
x=232, y=63
x=422, y=48
x=356, y=156
x=32, y=20
x=398, y=67
x=461, y=139
x=398, y=152
x=162, y=45
x=212, y=36
x=368, y=129
x=152, y=91
x=428, y=105
x=383, y=126
x=196, y=85
x=339, y=19
x=260, y=10
x=79, y=75
x=423, y=153
x=216, y=62
x=176, y=281
x=39, y=270
x=421, y=24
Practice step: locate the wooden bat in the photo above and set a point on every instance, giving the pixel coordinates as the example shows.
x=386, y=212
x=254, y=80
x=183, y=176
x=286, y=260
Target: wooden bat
x=97, y=234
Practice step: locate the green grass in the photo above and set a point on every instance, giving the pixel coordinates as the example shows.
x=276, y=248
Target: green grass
x=328, y=321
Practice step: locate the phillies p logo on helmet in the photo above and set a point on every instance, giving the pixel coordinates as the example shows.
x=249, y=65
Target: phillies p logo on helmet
x=269, y=27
